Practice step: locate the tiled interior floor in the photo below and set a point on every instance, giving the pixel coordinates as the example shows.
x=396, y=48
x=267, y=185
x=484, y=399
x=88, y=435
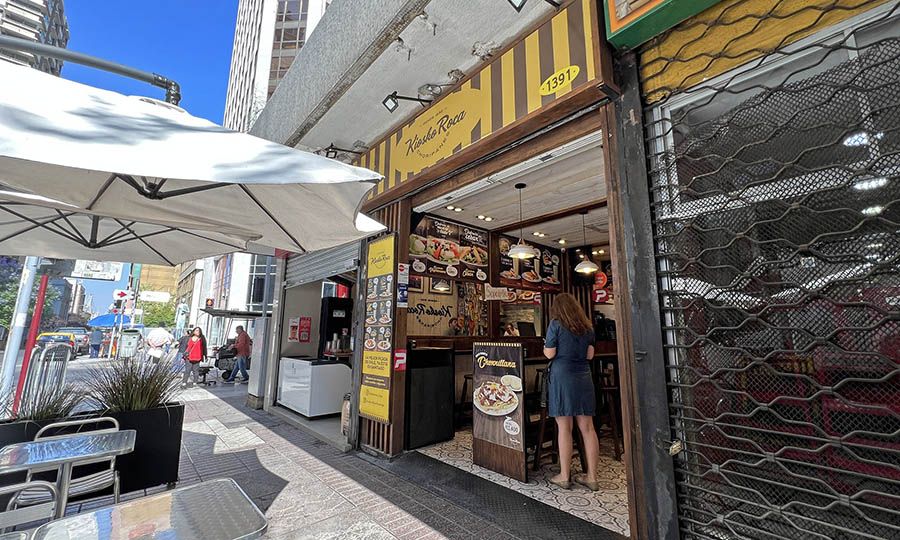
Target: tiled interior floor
x=607, y=508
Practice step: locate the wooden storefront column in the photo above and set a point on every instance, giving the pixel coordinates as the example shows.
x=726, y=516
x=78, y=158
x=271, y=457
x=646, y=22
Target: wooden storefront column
x=402, y=217
x=642, y=367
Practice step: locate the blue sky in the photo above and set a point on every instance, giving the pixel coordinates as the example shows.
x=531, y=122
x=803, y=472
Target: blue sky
x=187, y=41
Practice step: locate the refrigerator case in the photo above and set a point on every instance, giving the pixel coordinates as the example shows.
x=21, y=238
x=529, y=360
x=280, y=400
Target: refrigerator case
x=337, y=314
x=313, y=387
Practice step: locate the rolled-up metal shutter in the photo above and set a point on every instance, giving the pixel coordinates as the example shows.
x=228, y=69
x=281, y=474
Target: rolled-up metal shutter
x=321, y=264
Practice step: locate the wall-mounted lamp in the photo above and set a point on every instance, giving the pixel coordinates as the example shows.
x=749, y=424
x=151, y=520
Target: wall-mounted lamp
x=519, y=4
x=392, y=101
x=332, y=151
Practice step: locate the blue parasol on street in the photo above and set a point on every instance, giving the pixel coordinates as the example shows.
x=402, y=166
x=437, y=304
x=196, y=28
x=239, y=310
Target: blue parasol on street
x=109, y=320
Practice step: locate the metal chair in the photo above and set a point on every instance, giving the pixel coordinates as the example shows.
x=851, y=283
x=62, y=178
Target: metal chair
x=13, y=517
x=80, y=485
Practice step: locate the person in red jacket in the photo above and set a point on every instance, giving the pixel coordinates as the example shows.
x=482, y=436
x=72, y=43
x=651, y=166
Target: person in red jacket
x=194, y=353
x=242, y=347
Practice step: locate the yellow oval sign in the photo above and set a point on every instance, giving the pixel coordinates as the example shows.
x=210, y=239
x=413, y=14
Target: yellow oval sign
x=559, y=80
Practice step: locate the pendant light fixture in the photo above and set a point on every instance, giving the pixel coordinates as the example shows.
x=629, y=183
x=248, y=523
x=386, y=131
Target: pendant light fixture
x=521, y=250
x=587, y=266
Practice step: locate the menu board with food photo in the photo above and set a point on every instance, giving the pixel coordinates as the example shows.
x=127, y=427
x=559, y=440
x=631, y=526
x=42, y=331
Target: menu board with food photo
x=538, y=273
x=445, y=249
x=499, y=407
x=378, y=330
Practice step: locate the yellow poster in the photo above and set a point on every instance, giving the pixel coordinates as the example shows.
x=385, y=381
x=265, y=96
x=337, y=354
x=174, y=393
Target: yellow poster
x=374, y=397
x=378, y=343
x=381, y=257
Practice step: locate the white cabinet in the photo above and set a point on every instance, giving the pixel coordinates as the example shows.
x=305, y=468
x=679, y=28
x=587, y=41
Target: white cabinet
x=312, y=387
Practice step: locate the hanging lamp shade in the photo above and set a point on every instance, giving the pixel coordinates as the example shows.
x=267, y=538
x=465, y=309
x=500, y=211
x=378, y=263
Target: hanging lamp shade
x=586, y=266
x=521, y=250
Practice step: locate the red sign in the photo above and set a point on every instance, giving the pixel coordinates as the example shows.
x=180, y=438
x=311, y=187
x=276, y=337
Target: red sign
x=600, y=280
x=305, y=328
x=400, y=360
x=209, y=302
x=601, y=296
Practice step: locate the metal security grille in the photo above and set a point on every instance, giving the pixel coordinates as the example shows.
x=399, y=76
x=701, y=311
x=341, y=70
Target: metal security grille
x=774, y=157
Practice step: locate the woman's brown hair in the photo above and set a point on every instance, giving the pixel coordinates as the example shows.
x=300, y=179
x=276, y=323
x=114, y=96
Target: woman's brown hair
x=570, y=314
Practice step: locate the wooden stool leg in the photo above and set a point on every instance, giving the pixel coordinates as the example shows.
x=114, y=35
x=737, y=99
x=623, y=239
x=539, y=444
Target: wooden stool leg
x=540, y=444
x=614, y=424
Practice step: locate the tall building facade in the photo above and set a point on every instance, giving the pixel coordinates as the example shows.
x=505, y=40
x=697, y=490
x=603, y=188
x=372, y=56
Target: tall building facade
x=267, y=37
x=43, y=21
x=159, y=278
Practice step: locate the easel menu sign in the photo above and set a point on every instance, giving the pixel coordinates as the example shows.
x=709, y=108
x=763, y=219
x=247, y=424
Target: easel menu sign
x=498, y=421
x=375, y=390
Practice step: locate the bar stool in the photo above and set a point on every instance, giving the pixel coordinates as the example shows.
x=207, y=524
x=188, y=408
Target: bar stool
x=607, y=392
x=465, y=410
x=540, y=453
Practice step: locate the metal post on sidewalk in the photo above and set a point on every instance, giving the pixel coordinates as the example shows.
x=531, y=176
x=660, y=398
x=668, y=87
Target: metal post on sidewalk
x=32, y=338
x=17, y=325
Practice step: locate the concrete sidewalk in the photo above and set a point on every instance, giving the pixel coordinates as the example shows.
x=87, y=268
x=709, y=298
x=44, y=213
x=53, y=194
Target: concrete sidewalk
x=306, y=488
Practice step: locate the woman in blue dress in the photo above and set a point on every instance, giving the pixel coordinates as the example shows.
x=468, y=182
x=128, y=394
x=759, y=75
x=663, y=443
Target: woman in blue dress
x=570, y=346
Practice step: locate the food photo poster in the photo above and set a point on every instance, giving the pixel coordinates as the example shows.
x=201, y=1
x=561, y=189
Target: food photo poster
x=498, y=398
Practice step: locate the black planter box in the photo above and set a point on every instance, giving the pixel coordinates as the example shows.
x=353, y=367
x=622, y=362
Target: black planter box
x=157, y=446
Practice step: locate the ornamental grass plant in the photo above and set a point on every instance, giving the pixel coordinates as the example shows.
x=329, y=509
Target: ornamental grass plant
x=45, y=405
x=130, y=385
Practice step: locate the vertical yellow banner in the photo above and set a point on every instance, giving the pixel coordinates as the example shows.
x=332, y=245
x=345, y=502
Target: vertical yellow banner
x=377, y=339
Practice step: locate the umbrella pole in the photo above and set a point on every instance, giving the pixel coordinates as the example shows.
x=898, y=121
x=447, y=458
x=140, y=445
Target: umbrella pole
x=17, y=324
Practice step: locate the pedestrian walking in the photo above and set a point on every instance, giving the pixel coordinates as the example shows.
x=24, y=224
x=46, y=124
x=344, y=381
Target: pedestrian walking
x=194, y=353
x=96, y=341
x=157, y=340
x=182, y=348
x=242, y=348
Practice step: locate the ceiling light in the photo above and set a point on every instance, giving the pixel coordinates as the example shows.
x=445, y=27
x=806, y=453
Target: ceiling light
x=519, y=4
x=542, y=235
x=578, y=250
x=391, y=102
x=480, y=216
x=489, y=218
x=520, y=250
x=562, y=240
x=861, y=138
x=581, y=256
x=535, y=233
x=601, y=252
x=870, y=183
x=457, y=209
x=332, y=151
x=586, y=266
x=873, y=210
x=450, y=207
x=594, y=252
x=442, y=286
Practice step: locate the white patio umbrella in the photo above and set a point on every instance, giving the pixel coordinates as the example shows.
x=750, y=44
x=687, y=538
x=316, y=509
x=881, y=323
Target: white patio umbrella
x=138, y=158
x=27, y=229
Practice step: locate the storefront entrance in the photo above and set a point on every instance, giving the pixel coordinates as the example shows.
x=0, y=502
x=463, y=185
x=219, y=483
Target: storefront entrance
x=466, y=290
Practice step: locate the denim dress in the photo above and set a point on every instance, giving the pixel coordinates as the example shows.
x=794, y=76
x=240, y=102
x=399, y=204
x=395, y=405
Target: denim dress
x=570, y=390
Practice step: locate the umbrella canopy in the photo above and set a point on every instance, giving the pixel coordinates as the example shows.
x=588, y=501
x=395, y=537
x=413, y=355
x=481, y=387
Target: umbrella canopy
x=27, y=229
x=109, y=320
x=138, y=158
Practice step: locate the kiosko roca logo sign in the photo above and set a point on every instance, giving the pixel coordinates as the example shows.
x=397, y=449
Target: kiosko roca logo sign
x=437, y=133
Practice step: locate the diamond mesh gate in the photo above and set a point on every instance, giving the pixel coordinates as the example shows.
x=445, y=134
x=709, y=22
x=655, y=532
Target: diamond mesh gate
x=774, y=156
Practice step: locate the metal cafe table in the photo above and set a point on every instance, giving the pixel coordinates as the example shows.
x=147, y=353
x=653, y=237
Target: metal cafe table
x=214, y=510
x=65, y=453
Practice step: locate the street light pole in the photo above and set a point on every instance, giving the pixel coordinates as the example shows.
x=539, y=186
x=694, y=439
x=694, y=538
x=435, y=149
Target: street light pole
x=173, y=90
x=17, y=325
